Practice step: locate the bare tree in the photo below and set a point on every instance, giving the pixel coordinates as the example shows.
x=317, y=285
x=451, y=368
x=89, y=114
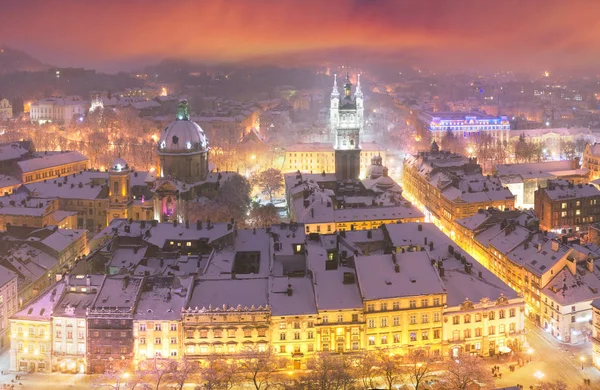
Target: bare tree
x=465, y=371
x=157, y=371
x=329, y=372
x=219, y=374
x=389, y=366
x=259, y=366
x=183, y=373
x=270, y=182
x=418, y=367
x=117, y=380
x=263, y=216
x=365, y=370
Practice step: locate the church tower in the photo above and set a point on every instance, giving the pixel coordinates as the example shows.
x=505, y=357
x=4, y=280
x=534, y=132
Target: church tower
x=334, y=114
x=119, y=198
x=360, y=107
x=347, y=127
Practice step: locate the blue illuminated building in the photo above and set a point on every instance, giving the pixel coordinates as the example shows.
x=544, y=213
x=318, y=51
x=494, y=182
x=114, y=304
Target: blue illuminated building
x=465, y=124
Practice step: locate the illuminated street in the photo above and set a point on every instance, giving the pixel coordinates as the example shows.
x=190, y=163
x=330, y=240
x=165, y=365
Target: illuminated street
x=552, y=359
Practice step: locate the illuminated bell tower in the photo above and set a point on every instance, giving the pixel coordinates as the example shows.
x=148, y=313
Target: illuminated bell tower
x=360, y=107
x=347, y=136
x=334, y=114
x=120, y=200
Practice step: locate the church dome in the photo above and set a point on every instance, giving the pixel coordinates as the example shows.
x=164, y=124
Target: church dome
x=119, y=165
x=182, y=135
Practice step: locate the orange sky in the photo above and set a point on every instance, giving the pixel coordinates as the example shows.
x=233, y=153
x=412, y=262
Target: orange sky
x=116, y=34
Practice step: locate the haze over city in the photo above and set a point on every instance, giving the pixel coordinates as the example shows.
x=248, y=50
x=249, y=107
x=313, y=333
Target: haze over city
x=115, y=35
x=299, y=195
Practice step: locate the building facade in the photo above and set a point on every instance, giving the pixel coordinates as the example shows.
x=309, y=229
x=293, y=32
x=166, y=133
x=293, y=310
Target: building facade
x=8, y=303
x=465, y=125
x=58, y=110
x=564, y=207
x=6, y=111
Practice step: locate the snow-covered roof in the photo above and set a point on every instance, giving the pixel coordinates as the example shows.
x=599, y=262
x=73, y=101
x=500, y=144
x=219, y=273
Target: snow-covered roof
x=230, y=292
x=567, y=288
x=62, y=238
x=50, y=160
x=534, y=170
x=562, y=189
x=72, y=189
x=6, y=275
x=41, y=308
x=118, y=292
x=164, y=298
x=12, y=151
x=378, y=278
x=330, y=291
x=300, y=301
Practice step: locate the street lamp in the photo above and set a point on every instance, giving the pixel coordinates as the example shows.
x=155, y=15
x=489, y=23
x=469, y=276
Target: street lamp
x=530, y=353
x=539, y=375
x=582, y=360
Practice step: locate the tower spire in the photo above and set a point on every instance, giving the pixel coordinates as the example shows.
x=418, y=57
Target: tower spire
x=335, y=91
x=358, y=92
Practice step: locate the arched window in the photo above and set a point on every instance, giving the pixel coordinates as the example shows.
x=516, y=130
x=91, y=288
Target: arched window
x=116, y=188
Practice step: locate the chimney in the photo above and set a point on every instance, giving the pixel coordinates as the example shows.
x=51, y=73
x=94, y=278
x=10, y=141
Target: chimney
x=555, y=245
x=229, y=226
x=175, y=222
x=539, y=247
x=253, y=230
x=590, y=264
x=143, y=224
x=232, y=274
x=312, y=213
x=394, y=260
x=369, y=234
x=67, y=278
x=480, y=275
x=289, y=290
x=88, y=280
x=187, y=224
x=441, y=269
x=199, y=225
x=208, y=225
x=430, y=245
x=125, y=282
x=420, y=227
x=397, y=268
x=468, y=267
x=425, y=240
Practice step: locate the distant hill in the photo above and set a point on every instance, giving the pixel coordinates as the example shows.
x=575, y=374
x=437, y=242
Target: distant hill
x=12, y=60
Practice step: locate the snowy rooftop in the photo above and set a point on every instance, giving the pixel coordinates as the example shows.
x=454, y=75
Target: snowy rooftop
x=562, y=189
x=119, y=291
x=29, y=262
x=567, y=289
x=479, y=284
x=163, y=298
x=11, y=151
x=250, y=255
x=62, y=238
x=41, y=308
x=6, y=275
x=378, y=279
x=79, y=295
x=230, y=292
x=50, y=160
x=538, y=255
x=536, y=170
x=300, y=302
x=330, y=291
x=59, y=189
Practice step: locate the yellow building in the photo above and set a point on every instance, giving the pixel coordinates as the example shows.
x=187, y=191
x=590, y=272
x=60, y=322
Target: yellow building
x=226, y=317
x=294, y=320
x=8, y=303
x=31, y=333
x=5, y=109
x=157, y=325
x=51, y=166
x=320, y=157
x=404, y=300
x=312, y=201
x=448, y=186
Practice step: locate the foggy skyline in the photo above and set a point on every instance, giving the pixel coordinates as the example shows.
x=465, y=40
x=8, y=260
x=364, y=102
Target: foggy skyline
x=116, y=35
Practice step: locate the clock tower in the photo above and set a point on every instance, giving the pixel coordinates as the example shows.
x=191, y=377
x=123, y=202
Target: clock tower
x=346, y=116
